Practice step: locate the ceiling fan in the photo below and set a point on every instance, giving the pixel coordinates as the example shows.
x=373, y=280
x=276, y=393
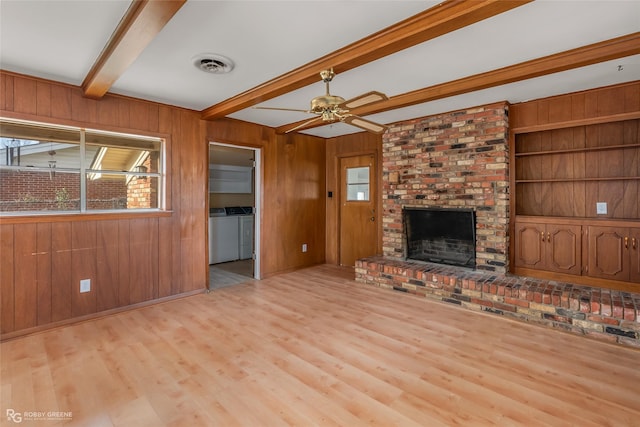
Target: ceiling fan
x=331, y=108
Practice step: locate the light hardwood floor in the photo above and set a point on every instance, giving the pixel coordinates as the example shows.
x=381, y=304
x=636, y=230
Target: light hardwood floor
x=315, y=348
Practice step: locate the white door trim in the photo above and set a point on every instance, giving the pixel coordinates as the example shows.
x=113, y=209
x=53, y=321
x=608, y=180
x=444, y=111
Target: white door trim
x=257, y=186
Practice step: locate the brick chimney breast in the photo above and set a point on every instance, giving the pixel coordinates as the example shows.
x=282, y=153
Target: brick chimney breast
x=452, y=160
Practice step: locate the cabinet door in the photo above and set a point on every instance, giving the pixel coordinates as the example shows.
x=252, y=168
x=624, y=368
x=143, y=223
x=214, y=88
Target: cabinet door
x=608, y=257
x=634, y=255
x=529, y=245
x=563, y=248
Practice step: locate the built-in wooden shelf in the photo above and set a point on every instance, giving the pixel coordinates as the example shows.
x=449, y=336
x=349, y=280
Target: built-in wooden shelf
x=615, y=178
x=578, y=150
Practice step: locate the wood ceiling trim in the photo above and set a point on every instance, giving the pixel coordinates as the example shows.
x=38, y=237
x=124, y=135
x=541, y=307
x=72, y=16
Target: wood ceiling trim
x=618, y=47
x=140, y=24
x=434, y=22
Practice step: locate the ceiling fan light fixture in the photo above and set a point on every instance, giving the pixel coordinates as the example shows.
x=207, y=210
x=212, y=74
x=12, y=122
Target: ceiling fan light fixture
x=326, y=102
x=213, y=63
x=331, y=108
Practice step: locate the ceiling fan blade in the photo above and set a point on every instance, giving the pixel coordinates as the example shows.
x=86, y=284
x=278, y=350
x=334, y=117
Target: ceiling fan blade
x=364, y=124
x=301, y=125
x=364, y=99
x=283, y=109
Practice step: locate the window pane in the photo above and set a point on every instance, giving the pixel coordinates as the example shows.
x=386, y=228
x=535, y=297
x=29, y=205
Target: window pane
x=115, y=152
x=122, y=191
x=22, y=190
x=358, y=184
x=41, y=166
x=41, y=147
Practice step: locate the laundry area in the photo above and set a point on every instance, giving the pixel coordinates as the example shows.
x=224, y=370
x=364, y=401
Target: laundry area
x=232, y=201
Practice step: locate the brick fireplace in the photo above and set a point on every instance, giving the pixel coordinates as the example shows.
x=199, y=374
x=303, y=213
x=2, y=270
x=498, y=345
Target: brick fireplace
x=452, y=160
x=459, y=160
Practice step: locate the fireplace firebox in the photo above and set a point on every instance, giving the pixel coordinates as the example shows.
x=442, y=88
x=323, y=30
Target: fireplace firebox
x=440, y=235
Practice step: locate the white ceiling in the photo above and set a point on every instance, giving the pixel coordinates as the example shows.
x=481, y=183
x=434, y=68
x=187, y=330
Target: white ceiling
x=60, y=40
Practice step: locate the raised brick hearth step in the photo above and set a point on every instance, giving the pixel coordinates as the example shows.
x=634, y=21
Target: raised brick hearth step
x=600, y=313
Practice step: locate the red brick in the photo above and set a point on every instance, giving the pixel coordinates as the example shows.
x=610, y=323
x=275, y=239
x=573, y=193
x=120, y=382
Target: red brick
x=618, y=311
x=585, y=306
x=537, y=297
x=504, y=307
x=629, y=312
x=515, y=301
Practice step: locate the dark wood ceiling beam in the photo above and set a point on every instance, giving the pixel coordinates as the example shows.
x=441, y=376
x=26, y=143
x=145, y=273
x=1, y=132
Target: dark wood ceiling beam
x=434, y=22
x=140, y=24
x=618, y=47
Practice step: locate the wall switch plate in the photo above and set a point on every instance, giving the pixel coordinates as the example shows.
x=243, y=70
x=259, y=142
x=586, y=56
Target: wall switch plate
x=601, y=208
x=85, y=285
x=304, y=247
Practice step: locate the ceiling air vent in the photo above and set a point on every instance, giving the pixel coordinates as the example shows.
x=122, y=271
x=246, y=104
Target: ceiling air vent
x=211, y=63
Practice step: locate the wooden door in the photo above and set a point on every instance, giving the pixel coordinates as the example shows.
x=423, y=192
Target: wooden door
x=608, y=258
x=563, y=248
x=358, y=216
x=530, y=240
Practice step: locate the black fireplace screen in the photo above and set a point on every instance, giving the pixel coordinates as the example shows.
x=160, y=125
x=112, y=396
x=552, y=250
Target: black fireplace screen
x=440, y=235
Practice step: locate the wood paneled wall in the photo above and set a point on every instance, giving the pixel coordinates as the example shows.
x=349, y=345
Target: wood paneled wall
x=293, y=189
x=344, y=146
x=130, y=258
x=41, y=284
x=134, y=258
x=592, y=106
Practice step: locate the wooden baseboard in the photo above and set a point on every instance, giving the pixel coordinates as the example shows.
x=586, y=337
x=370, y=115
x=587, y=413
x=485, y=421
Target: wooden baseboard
x=288, y=270
x=41, y=328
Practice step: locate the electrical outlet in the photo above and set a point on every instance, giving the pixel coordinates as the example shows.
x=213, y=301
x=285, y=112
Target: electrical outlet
x=304, y=247
x=85, y=285
x=601, y=208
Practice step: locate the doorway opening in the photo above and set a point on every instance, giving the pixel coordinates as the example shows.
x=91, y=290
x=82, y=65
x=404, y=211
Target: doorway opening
x=234, y=214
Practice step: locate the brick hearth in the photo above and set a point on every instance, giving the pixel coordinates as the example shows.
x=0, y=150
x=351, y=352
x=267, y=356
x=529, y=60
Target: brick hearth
x=604, y=314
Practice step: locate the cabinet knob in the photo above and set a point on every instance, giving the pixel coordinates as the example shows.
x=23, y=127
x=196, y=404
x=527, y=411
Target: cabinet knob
x=542, y=236
x=626, y=243
x=633, y=243
x=548, y=237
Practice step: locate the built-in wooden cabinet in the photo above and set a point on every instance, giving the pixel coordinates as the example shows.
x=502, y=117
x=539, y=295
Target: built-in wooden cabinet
x=614, y=253
x=575, y=187
x=585, y=174
x=578, y=248
x=551, y=247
